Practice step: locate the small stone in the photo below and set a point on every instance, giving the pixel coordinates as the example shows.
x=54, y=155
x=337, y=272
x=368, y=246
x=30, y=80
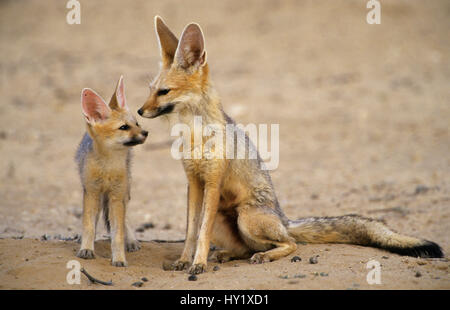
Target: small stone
x=385, y=257
x=144, y=279
x=313, y=260
x=418, y=274
x=314, y=196
x=300, y=276
x=216, y=268
x=284, y=277
x=296, y=259
x=192, y=277
x=137, y=284
x=167, y=227
x=323, y=274
x=148, y=225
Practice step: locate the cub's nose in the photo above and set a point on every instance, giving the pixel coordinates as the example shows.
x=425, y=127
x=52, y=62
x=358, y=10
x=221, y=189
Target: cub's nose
x=140, y=112
x=144, y=133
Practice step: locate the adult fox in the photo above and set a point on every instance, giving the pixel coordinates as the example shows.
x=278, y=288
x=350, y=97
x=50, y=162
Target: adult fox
x=232, y=202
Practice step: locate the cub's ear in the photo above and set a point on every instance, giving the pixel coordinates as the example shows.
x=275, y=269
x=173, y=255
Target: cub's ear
x=93, y=106
x=191, y=48
x=167, y=41
x=118, y=100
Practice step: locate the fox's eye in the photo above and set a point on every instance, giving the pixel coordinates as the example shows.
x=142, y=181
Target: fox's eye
x=124, y=127
x=137, y=124
x=163, y=92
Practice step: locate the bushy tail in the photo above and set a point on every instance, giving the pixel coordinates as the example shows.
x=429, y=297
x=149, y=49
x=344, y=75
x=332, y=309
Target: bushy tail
x=354, y=229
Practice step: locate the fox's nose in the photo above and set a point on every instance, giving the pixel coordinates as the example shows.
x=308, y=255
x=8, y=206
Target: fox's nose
x=140, y=112
x=144, y=133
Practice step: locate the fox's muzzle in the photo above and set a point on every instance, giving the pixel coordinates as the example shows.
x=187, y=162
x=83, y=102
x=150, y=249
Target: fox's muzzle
x=165, y=109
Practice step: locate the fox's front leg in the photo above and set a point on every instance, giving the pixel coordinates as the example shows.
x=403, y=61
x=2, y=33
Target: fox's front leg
x=91, y=208
x=194, y=205
x=117, y=219
x=209, y=210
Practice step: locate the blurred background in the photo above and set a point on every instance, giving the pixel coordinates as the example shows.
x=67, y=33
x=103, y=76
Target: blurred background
x=364, y=110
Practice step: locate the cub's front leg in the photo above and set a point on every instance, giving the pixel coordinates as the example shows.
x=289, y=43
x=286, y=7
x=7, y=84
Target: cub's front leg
x=91, y=208
x=117, y=220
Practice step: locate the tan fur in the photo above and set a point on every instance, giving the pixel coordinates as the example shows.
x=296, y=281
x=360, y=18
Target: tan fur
x=103, y=160
x=232, y=202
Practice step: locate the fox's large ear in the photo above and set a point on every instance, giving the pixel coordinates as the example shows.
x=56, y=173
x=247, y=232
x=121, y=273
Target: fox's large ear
x=118, y=100
x=93, y=106
x=191, y=49
x=167, y=41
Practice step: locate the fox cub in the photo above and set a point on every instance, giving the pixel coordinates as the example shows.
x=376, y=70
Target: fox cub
x=232, y=202
x=103, y=159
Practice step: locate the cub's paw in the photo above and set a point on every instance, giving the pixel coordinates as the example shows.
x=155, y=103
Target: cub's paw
x=119, y=263
x=197, y=269
x=180, y=265
x=259, y=258
x=86, y=254
x=221, y=256
x=133, y=246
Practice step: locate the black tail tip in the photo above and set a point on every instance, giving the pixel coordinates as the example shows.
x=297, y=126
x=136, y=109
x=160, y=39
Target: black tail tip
x=427, y=249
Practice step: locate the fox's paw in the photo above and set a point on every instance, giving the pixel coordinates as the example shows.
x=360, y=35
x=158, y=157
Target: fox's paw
x=86, y=254
x=133, y=246
x=221, y=256
x=259, y=258
x=197, y=269
x=180, y=265
x=119, y=263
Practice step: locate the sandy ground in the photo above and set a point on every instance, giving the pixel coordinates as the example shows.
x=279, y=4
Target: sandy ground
x=364, y=128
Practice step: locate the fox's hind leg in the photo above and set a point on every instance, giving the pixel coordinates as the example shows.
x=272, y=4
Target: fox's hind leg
x=264, y=233
x=131, y=243
x=226, y=236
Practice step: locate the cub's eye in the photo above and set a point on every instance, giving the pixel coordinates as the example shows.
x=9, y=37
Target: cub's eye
x=124, y=127
x=137, y=124
x=163, y=92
